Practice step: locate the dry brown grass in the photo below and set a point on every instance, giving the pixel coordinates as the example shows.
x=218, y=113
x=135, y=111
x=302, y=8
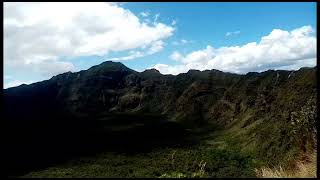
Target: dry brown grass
x=306, y=169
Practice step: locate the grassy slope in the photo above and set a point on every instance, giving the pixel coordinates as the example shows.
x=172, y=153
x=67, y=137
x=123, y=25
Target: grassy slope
x=303, y=169
x=231, y=152
x=201, y=160
x=254, y=139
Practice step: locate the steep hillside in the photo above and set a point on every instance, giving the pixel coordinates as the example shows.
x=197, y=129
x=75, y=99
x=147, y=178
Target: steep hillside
x=270, y=114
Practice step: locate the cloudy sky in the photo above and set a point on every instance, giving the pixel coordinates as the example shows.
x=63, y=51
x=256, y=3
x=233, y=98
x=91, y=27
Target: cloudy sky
x=45, y=39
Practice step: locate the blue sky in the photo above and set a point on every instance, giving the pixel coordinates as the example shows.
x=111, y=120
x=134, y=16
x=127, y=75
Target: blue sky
x=201, y=35
x=208, y=22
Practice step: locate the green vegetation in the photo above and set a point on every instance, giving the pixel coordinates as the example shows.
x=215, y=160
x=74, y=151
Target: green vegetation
x=195, y=161
x=110, y=121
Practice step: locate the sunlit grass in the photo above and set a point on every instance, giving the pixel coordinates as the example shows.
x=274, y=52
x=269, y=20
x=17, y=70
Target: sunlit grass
x=306, y=169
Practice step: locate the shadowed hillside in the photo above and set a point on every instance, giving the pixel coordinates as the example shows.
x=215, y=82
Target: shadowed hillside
x=109, y=107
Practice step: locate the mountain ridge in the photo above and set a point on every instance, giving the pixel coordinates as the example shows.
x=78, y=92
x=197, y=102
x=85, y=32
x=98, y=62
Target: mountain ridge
x=112, y=63
x=270, y=110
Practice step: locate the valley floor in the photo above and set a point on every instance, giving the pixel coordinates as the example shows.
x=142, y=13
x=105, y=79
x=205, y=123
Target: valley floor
x=212, y=157
x=203, y=152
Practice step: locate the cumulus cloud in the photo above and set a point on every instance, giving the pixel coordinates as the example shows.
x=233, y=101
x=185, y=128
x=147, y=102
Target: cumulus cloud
x=51, y=68
x=280, y=49
x=155, y=47
x=181, y=42
x=176, y=56
x=38, y=35
x=166, y=69
x=15, y=83
x=232, y=33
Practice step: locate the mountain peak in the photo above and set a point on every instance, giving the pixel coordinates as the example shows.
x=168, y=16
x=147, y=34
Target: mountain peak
x=193, y=71
x=110, y=66
x=151, y=71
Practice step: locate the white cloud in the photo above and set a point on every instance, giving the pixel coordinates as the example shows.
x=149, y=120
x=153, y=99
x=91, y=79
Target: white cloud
x=156, y=17
x=15, y=83
x=145, y=14
x=166, y=69
x=133, y=55
x=37, y=35
x=176, y=56
x=181, y=42
x=199, y=56
x=52, y=68
x=280, y=49
x=232, y=33
x=154, y=48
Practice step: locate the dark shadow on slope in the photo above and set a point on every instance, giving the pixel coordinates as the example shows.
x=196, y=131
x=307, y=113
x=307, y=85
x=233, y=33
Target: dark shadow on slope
x=40, y=143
